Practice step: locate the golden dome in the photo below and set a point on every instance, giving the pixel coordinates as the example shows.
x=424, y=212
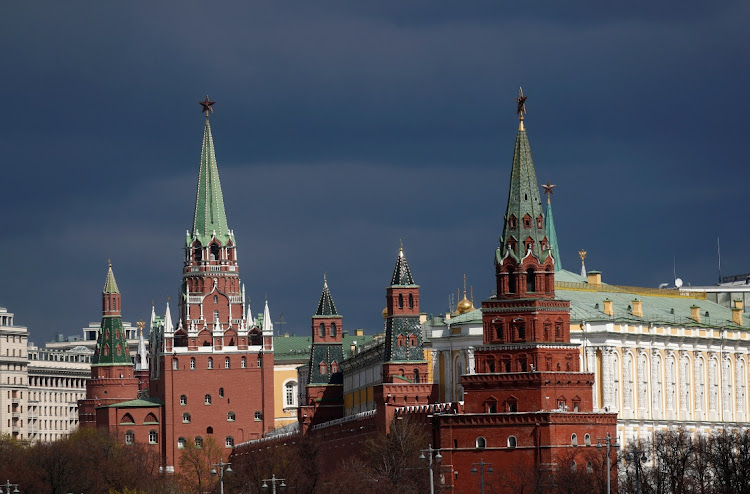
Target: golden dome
x=464, y=306
x=385, y=312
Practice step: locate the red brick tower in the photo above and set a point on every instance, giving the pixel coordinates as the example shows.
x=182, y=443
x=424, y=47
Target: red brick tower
x=528, y=406
x=324, y=390
x=404, y=367
x=216, y=367
x=112, y=378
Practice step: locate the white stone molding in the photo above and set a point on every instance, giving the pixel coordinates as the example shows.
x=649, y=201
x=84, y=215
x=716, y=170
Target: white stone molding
x=684, y=385
x=726, y=386
x=700, y=386
x=627, y=378
x=656, y=384
x=642, y=385
x=591, y=367
x=671, y=383
x=713, y=386
x=470, y=354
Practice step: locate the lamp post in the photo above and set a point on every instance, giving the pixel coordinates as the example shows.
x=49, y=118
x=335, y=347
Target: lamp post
x=610, y=442
x=221, y=471
x=636, y=456
x=7, y=486
x=438, y=458
x=481, y=466
x=273, y=480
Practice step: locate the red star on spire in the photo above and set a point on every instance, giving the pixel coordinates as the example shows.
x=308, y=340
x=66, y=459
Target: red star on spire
x=207, y=104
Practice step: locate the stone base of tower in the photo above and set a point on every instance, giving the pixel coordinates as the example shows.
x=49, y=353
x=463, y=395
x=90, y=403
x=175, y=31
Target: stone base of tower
x=390, y=396
x=143, y=379
x=324, y=403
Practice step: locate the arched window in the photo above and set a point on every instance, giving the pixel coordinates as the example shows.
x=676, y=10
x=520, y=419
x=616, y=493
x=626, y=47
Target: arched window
x=181, y=443
x=481, y=442
x=210, y=362
x=230, y=416
x=322, y=330
x=400, y=340
x=175, y=364
x=151, y=419
x=209, y=430
x=214, y=252
x=153, y=437
x=573, y=466
x=290, y=394
x=530, y=280
x=226, y=362
x=127, y=419
x=183, y=400
x=400, y=301
x=416, y=375
x=411, y=301
x=512, y=442
x=198, y=442
x=323, y=368
x=243, y=363
x=207, y=399
x=334, y=367
x=574, y=440
x=258, y=416
x=589, y=467
x=192, y=363
x=229, y=442
x=587, y=439
x=221, y=392
x=511, y=280
x=129, y=437
x=216, y=316
x=216, y=299
x=185, y=418
x=198, y=252
x=412, y=340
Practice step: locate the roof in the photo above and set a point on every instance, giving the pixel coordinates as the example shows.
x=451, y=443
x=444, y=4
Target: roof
x=210, y=217
x=401, y=273
x=110, y=285
x=549, y=230
x=297, y=348
x=523, y=201
x=138, y=403
x=326, y=307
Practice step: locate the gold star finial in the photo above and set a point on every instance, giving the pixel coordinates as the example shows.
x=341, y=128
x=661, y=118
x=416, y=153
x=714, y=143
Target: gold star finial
x=582, y=255
x=521, y=104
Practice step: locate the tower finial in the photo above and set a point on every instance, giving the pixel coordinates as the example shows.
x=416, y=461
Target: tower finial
x=521, y=107
x=207, y=106
x=548, y=190
x=325, y=279
x=464, y=285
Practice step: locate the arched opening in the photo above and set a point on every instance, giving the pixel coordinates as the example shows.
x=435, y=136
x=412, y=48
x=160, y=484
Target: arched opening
x=411, y=301
x=214, y=252
x=333, y=329
x=512, y=442
x=416, y=375
x=481, y=442
x=209, y=430
x=197, y=252
x=511, y=280
x=400, y=301
x=574, y=439
x=322, y=330
x=530, y=280
x=323, y=369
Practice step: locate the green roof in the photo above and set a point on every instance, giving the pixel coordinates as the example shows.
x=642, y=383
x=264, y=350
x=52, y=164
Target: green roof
x=326, y=307
x=138, y=403
x=523, y=203
x=401, y=273
x=110, y=285
x=210, y=217
x=297, y=348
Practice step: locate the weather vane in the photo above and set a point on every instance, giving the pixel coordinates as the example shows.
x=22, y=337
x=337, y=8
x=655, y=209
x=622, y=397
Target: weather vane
x=521, y=100
x=206, y=104
x=582, y=255
x=548, y=190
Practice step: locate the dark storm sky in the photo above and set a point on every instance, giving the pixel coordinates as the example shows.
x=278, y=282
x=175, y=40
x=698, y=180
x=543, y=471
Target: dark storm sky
x=341, y=127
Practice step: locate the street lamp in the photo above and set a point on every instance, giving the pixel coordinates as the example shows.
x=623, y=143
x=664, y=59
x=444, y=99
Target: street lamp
x=636, y=456
x=7, y=486
x=481, y=466
x=221, y=471
x=438, y=459
x=273, y=480
x=610, y=442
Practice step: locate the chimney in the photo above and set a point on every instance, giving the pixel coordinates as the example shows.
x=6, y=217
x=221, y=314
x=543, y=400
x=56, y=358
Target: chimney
x=608, y=307
x=737, y=314
x=738, y=304
x=359, y=332
x=637, y=308
x=595, y=277
x=695, y=313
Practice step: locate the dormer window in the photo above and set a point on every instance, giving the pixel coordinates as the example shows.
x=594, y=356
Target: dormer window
x=527, y=221
x=512, y=222
x=540, y=222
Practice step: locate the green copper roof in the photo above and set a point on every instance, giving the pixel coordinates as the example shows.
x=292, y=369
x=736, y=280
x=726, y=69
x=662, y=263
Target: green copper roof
x=297, y=348
x=110, y=286
x=523, y=204
x=401, y=273
x=210, y=216
x=326, y=307
x=111, y=344
x=138, y=403
x=549, y=229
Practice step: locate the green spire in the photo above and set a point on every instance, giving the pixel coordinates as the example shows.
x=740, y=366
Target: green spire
x=401, y=273
x=326, y=307
x=110, y=286
x=549, y=229
x=524, y=218
x=210, y=217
